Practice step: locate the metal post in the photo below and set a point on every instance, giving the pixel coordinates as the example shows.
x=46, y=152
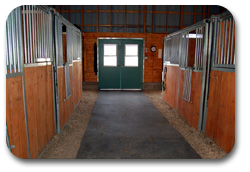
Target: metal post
x=7, y=48
x=217, y=31
x=220, y=34
x=24, y=92
x=24, y=36
x=222, y=48
x=231, y=57
x=196, y=42
x=9, y=42
x=211, y=55
x=229, y=37
x=13, y=22
x=204, y=69
x=225, y=46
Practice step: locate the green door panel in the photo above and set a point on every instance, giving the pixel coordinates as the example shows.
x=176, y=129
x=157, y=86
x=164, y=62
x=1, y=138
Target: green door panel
x=120, y=76
x=131, y=77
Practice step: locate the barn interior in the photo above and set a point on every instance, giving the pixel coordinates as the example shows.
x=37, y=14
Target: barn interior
x=120, y=82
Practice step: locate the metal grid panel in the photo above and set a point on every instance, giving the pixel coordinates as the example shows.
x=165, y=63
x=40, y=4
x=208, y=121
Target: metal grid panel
x=187, y=84
x=224, y=41
x=14, y=42
x=37, y=33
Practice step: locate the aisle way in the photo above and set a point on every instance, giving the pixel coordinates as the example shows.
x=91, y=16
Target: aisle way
x=127, y=125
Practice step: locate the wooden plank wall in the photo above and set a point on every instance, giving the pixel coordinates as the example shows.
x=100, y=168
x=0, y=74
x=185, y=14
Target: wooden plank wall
x=221, y=109
x=171, y=91
x=15, y=117
x=77, y=73
x=190, y=110
x=40, y=107
x=152, y=66
x=66, y=106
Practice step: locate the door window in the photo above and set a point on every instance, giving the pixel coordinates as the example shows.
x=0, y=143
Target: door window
x=110, y=55
x=131, y=55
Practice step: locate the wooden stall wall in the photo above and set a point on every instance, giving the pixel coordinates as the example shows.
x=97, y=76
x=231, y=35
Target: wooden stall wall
x=152, y=66
x=171, y=91
x=220, y=123
x=66, y=106
x=77, y=73
x=190, y=110
x=40, y=107
x=15, y=117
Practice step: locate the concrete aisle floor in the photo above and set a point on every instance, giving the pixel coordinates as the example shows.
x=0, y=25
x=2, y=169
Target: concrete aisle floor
x=127, y=125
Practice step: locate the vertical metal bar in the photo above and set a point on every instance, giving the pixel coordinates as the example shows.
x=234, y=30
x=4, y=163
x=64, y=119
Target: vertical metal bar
x=17, y=38
x=28, y=39
x=7, y=47
x=31, y=52
x=222, y=48
x=44, y=36
x=229, y=37
x=41, y=27
x=20, y=39
x=13, y=39
x=211, y=55
x=232, y=42
x=219, y=55
x=39, y=33
x=202, y=46
x=9, y=41
x=47, y=34
x=33, y=33
x=35, y=22
x=187, y=47
x=195, y=58
x=23, y=79
x=217, y=42
x=204, y=68
x=24, y=34
x=190, y=85
x=201, y=39
x=225, y=46
x=234, y=57
x=198, y=46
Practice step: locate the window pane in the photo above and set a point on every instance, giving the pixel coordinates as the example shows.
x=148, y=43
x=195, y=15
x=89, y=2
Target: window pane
x=109, y=49
x=109, y=61
x=131, y=49
x=131, y=61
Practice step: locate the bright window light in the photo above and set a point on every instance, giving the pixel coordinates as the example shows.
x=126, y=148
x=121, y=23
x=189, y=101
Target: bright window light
x=131, y=55
x=131, y=61
x=131, y=50
x=110, y=49
x=110, y=61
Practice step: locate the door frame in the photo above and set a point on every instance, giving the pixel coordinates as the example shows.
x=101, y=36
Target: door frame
x=143, y=57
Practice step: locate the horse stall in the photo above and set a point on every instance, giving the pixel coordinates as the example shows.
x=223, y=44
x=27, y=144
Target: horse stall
x=69, y=68
x=198, y=77
x=32, y=108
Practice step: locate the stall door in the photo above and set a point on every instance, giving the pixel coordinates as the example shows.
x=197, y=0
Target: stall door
x=120, y=63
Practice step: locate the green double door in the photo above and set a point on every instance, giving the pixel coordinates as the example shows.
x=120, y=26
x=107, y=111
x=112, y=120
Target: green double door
x=120, y=63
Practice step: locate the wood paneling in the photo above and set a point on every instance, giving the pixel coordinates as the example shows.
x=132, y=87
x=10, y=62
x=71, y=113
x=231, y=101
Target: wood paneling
x=152, y=65
x=77, y=68
x=221, y=109
x=190, y=110
x=15, y=117
x=171, y=91
x=66, y=106
x=40, y=107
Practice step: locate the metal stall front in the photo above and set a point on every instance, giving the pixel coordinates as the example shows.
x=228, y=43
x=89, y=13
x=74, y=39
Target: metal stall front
x=199, y=77
x=184, y=54
x=32, y=79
